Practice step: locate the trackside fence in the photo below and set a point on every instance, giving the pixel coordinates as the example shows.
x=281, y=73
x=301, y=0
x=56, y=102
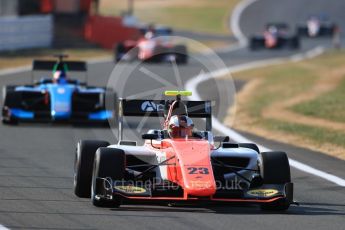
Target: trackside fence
x=26, y=32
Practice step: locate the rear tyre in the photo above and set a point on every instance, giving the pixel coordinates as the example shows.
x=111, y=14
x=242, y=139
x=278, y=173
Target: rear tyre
x=327, y=31
x=275, y=169
x=256, y=43
x=181, y=54
x=119, y=51
x=11, y=99
x=108, y=163
x=83, y=164
x=294, y=43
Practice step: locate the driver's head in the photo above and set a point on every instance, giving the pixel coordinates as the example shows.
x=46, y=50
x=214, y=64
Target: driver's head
x=149, y=35
x=59, y=76
x=180, y=126
x=272, y=29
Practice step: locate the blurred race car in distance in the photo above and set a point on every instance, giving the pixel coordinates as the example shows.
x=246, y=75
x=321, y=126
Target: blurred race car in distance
x=154, y=46
x=317, y=26
x=59, y=98
x=158, y=30
x=275, y=36
x=179, y=163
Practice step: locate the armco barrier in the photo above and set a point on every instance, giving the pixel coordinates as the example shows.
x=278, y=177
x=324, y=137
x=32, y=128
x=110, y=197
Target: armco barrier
x=25, y=32
x=107, y=31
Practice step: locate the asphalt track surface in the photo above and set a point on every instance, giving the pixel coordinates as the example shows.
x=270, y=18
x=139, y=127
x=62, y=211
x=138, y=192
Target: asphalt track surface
x=36, y=161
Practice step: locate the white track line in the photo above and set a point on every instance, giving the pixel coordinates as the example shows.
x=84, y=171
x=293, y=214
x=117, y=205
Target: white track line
x=193, y=83
x=235, y=28
x=15, y=70
x=3, y=227
x=235, y=21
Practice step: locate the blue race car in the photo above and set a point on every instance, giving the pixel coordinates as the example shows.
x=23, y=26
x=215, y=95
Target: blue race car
x=58, y=98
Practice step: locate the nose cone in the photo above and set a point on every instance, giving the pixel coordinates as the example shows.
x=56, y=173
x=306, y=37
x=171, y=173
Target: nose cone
x=60, y=98
x=201, y=183
x=196, y=168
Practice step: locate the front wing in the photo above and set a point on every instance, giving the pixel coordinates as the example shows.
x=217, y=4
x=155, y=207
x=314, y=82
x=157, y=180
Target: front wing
x=23, y=115
x=267, y=193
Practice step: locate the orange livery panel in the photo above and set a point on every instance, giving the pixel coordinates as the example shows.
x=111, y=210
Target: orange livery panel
x=193, y=170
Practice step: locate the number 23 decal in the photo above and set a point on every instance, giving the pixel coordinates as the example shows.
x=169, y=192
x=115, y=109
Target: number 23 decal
x=193, y=170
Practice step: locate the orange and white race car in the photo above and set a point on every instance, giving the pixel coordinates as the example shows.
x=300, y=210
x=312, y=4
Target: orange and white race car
x=177, y=163
x=317, y=26
x=155, y=45
x=275, y=36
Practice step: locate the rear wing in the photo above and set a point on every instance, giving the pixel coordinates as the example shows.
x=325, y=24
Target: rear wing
x=78, y=66
x=156, y=108
x=279, y=25
x=159, y=31
x=73, y=66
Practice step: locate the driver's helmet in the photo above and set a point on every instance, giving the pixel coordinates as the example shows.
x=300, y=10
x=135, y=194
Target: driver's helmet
x=59, y=76
x=149, y=35
x=272, y=30
x=180, y=126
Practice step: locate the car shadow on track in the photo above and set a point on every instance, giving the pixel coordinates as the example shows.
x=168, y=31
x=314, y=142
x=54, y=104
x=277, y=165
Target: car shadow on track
x=308, y=209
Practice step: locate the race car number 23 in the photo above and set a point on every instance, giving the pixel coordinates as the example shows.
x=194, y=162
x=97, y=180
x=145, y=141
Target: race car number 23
x=194, y=170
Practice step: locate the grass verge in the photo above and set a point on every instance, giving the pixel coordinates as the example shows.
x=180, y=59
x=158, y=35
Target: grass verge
x=330, y=106
x=298, y=103
x=207, y=16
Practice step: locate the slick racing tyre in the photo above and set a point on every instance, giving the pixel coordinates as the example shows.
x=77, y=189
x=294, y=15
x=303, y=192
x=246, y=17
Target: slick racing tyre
x=83, y=164
x=11, y=99
x=256, y=43
x=275, y=169
x=109, y=163
x=119, y=51
x=294, y=43
x=181, y=54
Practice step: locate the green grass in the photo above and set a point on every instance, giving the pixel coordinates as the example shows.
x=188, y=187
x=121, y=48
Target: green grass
x=199, y=19
x=280, y=83
x=317, y=135
x=209, y=16
x=330, y=106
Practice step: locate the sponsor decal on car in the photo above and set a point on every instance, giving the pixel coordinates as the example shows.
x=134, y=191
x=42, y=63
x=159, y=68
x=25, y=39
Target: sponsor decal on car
x=149, y=106
x=263, y=192
x=130, y=189
x=61, y=90
x=200, y=184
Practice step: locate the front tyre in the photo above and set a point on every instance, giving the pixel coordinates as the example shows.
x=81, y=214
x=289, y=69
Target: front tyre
x=275, y=169
x=108, y=163
x=83, y=164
